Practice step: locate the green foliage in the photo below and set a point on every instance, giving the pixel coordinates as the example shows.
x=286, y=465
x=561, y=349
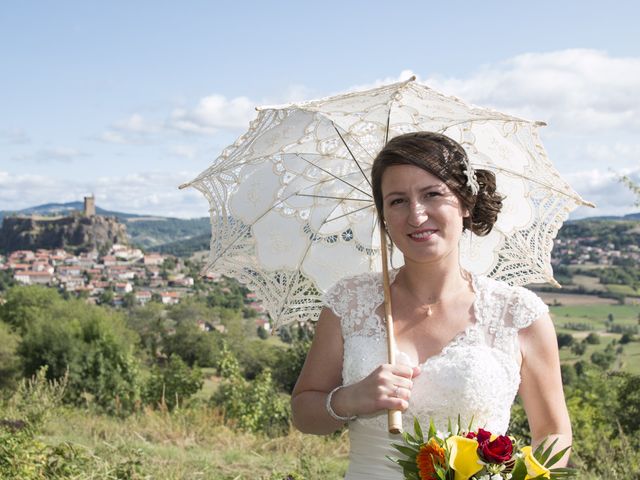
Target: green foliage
x=628, y=407
x=262, y=332
x=6, y=280
x=289, y=364
x=23, y=456
x=579, y=348
x=153, y=234
x=23, y=305
x=255, y=356
x=227, y=294
x=598, y=445
x=254, y=406
x=36, y=398
x=193, y=345
x=173, y=384
x=151, y=324
x=89, y=343
x=593, y=339
x=626, y=338
x=9, y=360
x=564, y=340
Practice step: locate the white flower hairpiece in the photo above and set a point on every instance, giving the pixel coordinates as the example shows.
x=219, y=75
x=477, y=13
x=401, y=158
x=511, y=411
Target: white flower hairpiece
x=472, y=180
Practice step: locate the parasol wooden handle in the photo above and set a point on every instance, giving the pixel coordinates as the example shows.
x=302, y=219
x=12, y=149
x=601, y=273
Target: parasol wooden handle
x=395, y=416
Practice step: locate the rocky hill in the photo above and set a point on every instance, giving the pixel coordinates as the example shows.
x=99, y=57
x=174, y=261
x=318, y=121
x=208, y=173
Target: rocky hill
x=73, y=232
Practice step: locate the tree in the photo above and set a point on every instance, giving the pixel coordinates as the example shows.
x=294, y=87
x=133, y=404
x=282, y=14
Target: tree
x=151, y=324
x=255, y=406
x=593, y=339
x=262, y=332
x=564, y=340
x=91, y=344
x=579, y=348
x=628, y=411
x=193, y=345
x=23, y=304
x=9, y=359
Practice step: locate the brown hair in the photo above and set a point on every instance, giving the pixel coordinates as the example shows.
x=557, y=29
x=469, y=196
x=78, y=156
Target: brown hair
x=446, y=159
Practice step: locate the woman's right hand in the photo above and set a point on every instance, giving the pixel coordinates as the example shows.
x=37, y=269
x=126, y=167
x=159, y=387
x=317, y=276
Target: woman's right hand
x=388, y=387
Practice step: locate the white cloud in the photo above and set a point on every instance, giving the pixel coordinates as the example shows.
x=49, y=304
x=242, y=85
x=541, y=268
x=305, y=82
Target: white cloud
x=136, y=123
x=213, y=113
x=14, y=136
x=184, y=151
x=132, y=130
x=603, y=188
x=576, y=90
x=51, y=154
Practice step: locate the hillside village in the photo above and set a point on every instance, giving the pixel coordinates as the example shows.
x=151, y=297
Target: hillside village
x=124, y=276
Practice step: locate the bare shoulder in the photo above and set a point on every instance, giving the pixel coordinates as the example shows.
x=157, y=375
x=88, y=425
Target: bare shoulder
x=538, y=339
x=322, y=369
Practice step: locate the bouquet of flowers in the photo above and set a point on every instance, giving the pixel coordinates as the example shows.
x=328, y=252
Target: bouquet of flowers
x=475, y=455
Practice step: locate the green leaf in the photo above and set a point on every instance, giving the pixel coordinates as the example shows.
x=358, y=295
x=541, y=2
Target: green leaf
x=417, y=429
x=408, y=466
x=469, y=429
x=556, y=458
x=408, y=451
x=519, y=471
x=545, y=455
x=432, y=429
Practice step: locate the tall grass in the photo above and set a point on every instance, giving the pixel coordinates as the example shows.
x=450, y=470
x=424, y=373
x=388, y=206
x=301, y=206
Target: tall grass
x=195, y=444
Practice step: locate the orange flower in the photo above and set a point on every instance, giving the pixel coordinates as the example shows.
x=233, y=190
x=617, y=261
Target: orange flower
x=430, y=454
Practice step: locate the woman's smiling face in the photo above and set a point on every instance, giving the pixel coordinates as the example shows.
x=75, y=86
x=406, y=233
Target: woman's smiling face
x=423, y=216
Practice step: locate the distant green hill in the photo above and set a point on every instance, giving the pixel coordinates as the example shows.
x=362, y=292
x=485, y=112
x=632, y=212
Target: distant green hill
x=176, y=234
x=182, y=236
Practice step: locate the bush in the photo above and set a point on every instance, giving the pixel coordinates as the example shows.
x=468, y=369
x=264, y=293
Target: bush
x=256, y=405
x=564, y=340
x=626, y=338
x=10, y=368
x=193, y=345
x=172, y=385
x=579, y=348
x=593, y=339
x=289, y=364
x=90, y=344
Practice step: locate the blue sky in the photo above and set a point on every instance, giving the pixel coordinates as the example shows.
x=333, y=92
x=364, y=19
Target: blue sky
x=127, y=100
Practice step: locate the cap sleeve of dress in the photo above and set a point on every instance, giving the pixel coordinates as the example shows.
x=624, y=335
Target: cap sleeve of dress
x=526, y=307
x=339, y=298
x=353, y=299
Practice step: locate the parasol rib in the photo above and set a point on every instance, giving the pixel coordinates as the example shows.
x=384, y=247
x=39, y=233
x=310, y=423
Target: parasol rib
x=336, y=177
x=351, y=153
x=534, y=180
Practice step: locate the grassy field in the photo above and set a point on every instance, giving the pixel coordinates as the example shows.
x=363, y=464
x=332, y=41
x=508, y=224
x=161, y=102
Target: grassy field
x=596, y=314
x=194, y=445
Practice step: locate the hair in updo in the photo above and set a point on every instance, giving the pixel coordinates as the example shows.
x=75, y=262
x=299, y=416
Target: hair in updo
x=446, y=159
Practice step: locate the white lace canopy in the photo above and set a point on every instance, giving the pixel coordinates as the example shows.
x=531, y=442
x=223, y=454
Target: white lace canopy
x=291, y=205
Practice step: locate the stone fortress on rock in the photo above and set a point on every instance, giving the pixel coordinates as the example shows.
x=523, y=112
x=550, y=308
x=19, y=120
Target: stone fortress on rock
x=79, y=231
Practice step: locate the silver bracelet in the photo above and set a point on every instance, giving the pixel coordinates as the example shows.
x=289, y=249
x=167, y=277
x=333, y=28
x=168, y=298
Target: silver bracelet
x=330, y=410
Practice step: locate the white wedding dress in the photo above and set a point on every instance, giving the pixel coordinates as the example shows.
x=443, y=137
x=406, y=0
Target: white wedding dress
x=475, y=376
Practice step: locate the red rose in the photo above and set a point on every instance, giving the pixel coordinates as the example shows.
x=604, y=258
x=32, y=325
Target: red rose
x=499, y=450
x=483, y=436
x=471, y=435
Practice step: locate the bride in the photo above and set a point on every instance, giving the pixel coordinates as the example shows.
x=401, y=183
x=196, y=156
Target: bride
x=467, y=344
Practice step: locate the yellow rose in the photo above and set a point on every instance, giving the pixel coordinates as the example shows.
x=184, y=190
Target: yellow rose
x=463, y=457
x=534, y=469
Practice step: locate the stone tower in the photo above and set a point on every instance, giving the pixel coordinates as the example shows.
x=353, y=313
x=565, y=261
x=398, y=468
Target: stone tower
x=89, y=206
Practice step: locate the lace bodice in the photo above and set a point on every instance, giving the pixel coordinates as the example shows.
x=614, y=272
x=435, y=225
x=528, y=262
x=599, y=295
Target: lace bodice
x=475, y=376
